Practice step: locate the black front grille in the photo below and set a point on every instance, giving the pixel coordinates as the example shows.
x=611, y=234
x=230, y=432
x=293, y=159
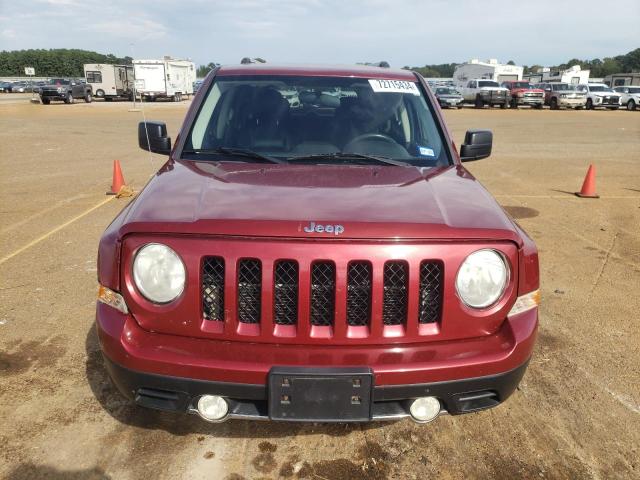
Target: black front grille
x=249, y=290
x=285, y=293
x=323, y=293
x=213, y=288
x=431, y=280
x=359, y=293
x=394, y=306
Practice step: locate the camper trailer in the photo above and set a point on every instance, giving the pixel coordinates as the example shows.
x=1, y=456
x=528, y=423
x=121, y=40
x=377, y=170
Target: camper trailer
x=489, y=70
x=167, y=78
x=109, y=81
x=574, y=75
x=623, y=79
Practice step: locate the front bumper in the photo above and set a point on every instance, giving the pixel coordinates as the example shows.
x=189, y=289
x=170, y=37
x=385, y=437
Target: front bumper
x=170, y=372
x=529, y=100
x=572, y=102
x=54, y=95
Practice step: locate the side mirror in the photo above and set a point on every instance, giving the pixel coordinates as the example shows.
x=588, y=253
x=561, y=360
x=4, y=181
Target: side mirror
x=152, y=136
x=477, y=145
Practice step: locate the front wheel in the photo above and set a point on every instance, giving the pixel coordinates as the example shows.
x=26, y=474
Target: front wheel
x=554, y=104
x=100, y=93
x=539, y=106
x=479, y=103
x=88, y=98
x=631, y=105
x=589, y=104
x=46, y=101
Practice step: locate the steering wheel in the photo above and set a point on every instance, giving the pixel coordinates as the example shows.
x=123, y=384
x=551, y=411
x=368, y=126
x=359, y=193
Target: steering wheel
x=386, y=145
x=377, y=137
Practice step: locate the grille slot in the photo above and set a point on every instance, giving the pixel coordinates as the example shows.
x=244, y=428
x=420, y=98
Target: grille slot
x=359, y=293
x=431, y=279
x=213, y=288
x=249, y=290
x=285, y=293
x=323, y=293
x=394, y=306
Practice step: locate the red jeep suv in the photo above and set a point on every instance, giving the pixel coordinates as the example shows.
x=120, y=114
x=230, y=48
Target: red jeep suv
x=314, y=250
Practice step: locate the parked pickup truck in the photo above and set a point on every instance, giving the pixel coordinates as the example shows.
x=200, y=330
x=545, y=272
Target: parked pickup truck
x=600, y=95
x=485, y=92
x=66, y=90
x=328, y=262
x=523, y=93
x=559, y=95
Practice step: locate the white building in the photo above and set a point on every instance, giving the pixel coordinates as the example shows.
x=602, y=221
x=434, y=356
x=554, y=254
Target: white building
x=489, y=70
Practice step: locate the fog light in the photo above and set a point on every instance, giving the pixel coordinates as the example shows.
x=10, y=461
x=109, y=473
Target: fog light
x=425, y=409
x=213, y=408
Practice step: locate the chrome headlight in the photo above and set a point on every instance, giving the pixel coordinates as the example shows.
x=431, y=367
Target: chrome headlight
x=59, y=89
x=159, y=273
x=482, y=278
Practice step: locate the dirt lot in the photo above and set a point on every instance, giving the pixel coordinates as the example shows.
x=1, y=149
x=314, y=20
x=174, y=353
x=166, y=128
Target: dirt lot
x=576, y=415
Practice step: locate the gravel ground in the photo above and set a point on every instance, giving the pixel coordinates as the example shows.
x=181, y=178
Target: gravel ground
x=576, y=414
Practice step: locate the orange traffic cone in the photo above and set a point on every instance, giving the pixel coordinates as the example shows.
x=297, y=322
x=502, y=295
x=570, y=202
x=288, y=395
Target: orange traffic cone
x=118, y=179
x=588, y=189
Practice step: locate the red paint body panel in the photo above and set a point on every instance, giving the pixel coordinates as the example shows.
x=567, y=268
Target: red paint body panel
x=125, y=343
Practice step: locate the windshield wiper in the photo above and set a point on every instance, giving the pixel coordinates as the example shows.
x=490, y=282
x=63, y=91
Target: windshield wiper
x=348, y=156
x=237, y=152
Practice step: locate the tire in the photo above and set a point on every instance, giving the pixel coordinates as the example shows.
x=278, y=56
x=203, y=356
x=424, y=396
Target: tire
x=631, y=105
x=88, y=97
x=579, y=108
x=459, y=107
x=513, y=104
x=553, y=103
x=589, y=105
x=69, y=98
x=539, y=106
x=99, y=93
x=479, y=103
x=46, y=101
x=108, y=99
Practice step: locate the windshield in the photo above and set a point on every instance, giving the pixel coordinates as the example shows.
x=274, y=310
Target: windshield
x=600, y=88
x=290, y=118
x=521, y=85
x=487, y=83
x=58, y=81
x=446, y=91
x=562, y=87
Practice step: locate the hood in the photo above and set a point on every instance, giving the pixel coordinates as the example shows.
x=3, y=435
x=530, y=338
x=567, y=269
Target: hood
x=282, y=200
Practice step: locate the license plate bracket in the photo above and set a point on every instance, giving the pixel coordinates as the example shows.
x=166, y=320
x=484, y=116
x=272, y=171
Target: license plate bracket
x=301, y=394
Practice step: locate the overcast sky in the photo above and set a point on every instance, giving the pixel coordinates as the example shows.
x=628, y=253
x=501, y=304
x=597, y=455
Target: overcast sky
x=403, y=32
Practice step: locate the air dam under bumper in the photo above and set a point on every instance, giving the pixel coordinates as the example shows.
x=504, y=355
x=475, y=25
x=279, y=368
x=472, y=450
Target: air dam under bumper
x=170, y=373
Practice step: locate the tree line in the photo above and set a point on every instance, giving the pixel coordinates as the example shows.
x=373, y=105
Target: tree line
x=59, y=62
x=68, y=63
x=627, y=63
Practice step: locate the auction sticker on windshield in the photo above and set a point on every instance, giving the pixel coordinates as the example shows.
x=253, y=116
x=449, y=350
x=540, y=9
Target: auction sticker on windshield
x=394, y=86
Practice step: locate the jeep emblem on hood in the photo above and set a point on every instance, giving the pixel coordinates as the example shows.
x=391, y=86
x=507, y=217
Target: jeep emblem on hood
x=317, y=228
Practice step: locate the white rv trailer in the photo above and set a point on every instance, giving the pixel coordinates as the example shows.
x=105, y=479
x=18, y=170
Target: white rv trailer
x=574, y=75
x=166, y=78
x=490, y=70
x=622, y=79
x=109, y=81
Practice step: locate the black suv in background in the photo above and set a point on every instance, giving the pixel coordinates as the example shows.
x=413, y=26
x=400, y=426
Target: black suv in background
x=66, y=90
